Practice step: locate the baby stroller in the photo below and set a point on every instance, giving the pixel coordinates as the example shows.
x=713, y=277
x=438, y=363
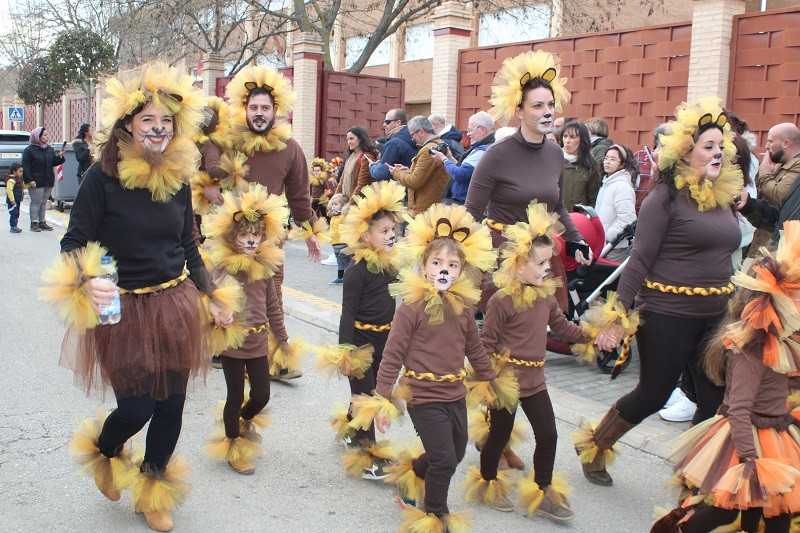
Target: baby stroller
x=587, y=283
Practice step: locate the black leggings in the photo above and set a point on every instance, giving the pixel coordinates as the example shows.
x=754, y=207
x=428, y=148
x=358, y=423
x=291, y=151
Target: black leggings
x=666, y=343
x=258, y=372
x=130, y=416
x=366, y=384
x=539, y=411
x=708, y=518
x=442, y=428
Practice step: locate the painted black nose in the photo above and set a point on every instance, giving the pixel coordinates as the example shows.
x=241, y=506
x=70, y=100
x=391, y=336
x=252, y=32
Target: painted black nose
x=444, y=273
x=718, y=155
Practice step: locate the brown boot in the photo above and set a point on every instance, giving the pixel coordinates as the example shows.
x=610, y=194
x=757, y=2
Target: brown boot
x=555, y=506
x=513, y=459
x=159, y=520
x=594, y=446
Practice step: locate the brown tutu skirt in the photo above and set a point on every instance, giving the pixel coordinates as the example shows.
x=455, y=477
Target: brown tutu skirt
x=161, y=340
x=705, y=458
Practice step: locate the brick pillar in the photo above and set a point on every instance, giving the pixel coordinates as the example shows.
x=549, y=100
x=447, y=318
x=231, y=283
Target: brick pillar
x=66, y=113
x=213, y=68
x=452, y=23
x=306, y=60
x=709, y=61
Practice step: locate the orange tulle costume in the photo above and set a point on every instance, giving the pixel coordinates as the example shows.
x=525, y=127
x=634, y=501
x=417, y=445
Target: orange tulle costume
x=748, y=455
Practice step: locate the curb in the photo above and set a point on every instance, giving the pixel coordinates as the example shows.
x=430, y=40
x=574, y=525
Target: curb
x=651, y=436
x=53, y=220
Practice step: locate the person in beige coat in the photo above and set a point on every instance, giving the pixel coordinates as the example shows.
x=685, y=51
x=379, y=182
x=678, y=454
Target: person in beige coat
x=427, y=177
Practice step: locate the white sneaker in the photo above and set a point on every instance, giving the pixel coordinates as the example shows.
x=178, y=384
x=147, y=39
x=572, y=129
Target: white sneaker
x=682, y=411
x=676, y=395
x=329, y=261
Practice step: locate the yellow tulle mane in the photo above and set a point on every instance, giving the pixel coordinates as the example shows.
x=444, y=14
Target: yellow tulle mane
x=162, y=173
x=515, y=72
x=380, y=196
x=674, y=145
x=413, y=288
x=233, y=164
x=452, y=221
x=250, y=142
x=710, y=194
x=276, y=83
x=155, y=83
x=221, y=134
x=516, y=250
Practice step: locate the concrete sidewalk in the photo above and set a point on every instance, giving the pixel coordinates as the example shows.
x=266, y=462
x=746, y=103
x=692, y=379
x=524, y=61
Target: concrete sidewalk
x=576, y=390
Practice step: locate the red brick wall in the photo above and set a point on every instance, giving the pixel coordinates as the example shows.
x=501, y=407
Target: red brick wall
x=765, y=79
x=634, y=79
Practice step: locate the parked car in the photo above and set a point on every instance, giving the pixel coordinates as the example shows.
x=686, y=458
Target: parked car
x=12, y=144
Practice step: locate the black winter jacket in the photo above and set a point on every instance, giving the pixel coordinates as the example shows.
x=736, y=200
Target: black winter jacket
x=763, y=214
x=38, y=163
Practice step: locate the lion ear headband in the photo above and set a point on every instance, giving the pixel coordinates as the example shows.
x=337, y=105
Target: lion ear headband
x=548, y=76
x=445, y=229
x=251, y=86
x=708, y=121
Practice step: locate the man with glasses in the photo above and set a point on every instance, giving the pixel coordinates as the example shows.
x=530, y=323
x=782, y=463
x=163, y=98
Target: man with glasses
x=426, y=178
x=481, y=136
x=400, y=149
x=448, y=134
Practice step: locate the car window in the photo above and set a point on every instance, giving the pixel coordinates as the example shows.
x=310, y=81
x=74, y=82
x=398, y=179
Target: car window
x=14, y=137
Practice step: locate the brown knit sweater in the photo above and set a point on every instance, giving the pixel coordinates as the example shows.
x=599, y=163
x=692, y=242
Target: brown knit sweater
x=514, y=172
x=264, y=307
x=419, y=346
x=524, y=335
x=678, y=245
x=285, y=171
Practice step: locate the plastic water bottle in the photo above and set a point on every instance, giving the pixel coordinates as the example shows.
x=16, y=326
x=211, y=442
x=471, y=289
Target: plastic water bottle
x=110, y=314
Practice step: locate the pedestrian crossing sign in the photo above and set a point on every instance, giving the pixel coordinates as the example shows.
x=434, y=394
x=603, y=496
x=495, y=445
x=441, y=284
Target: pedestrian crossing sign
x=16, y=114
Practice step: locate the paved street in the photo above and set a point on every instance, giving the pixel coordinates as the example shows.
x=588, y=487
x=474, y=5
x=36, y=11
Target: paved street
x=298, y=485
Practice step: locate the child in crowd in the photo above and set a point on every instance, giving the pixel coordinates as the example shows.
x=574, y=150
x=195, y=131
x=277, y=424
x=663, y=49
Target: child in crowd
x=243, y=242
x=433, y=329
x=515, y=332
x=367, y=311
x=14, y=194
x=747, y=458
x=337, y=212
x=318, y=178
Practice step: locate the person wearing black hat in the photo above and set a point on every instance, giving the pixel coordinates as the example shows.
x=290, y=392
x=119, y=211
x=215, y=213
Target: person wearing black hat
x=82, y=153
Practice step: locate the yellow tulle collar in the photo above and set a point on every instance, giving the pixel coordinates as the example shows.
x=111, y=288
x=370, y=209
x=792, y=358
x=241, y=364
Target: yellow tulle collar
x=413, y=288
x=707, y=193
x=262, y=264
x=524, y=296
x=248, y=142
x=316, y=181
x=378, y=261
x=163, y=174
x=220, y=138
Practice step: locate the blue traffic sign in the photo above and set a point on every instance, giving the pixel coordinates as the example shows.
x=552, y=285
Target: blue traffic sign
x=16, y=114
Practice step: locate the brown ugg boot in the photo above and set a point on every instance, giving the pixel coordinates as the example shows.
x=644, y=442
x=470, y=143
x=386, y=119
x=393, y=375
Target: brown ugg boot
x=514, y=461
x=156, y=493
x=595, y=445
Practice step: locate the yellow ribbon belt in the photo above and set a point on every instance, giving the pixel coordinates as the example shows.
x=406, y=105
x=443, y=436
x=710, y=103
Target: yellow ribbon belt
x=519, y=362
x=372, y=327
x=689, y=291
x=258, y=329
x=157, y=288
x=430, y=376
x=499, y=226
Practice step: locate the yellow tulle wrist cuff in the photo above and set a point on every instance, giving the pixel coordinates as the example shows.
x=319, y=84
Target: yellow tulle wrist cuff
x=306, y=230
x=346, y=359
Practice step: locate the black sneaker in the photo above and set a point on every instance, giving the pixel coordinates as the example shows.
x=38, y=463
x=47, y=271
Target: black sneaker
x=45, y=226
x=285, y=374
x=216, y=362
x=15, y=229
x=35, y=226
x=378, y=470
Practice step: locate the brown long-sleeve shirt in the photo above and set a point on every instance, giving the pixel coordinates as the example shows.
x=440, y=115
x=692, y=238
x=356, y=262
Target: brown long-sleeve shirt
x=285, y=171
x=264, y=307
x=209, y=162
x=524, y=335
x=753, y=388
x=419, y=346
x=678, y=245
x=514, y=172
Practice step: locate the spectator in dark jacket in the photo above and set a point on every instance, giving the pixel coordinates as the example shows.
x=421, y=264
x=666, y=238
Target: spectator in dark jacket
x=598, y=134
x=38, y=161
x=82, y=153
x=448, y=134
x=400, y=149
x=765, y=215
x=481, y=135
